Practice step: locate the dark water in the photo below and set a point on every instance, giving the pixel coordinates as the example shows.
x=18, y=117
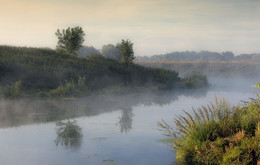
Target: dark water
x=102, y=129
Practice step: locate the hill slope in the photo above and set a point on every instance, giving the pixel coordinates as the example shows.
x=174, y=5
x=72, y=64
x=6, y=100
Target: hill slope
x=45, y=70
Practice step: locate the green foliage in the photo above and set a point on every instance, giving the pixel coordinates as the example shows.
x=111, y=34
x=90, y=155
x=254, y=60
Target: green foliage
x=166, y=79
x=217, y=134
x=112, y=51
x=194, y=79
x=43, y=70
x=13, y=90
x=70, y=88
x=86, y=51
x=127, y=51
x=70, y=39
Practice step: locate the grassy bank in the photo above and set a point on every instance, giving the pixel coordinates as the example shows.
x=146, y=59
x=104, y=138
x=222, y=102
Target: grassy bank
x=45, y=72
x=218, y=134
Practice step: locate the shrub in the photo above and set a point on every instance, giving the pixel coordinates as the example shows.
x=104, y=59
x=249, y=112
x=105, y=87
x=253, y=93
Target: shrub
x=13, y=90
x=70, y=88
x=194, y=79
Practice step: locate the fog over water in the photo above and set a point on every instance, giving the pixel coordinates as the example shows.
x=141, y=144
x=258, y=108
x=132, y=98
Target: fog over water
x=103, y=129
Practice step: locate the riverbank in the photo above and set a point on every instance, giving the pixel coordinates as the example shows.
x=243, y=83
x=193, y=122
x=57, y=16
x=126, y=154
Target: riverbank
x=31, y=72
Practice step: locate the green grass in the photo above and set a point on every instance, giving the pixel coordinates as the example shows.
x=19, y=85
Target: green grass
x=46, y=72
x=70, y=88
x=217, y=134
x=12, y=90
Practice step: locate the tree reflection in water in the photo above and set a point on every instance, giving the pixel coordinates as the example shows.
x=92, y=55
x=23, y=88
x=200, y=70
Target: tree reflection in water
x=125, y=121
x=69, y=134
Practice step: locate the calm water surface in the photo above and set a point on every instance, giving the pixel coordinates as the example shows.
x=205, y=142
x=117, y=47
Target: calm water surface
x=111, y=129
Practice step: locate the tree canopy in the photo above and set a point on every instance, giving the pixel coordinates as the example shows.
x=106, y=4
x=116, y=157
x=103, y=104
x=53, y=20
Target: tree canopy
x=70, y=40
x=127, y=51
x=112, y=51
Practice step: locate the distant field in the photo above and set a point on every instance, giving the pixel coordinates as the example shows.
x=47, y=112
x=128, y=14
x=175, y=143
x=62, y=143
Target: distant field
x=245, y=68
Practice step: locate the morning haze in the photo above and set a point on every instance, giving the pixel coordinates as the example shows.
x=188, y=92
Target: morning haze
x=129, y=82
x=156, y=27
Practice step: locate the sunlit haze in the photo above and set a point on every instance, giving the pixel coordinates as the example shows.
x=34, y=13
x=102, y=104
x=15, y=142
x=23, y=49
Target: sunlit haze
x=154, y=26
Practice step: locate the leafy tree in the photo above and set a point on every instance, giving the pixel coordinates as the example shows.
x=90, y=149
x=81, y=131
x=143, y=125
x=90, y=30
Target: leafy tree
x=127, y=51
x=70, y=39
x=112, y=51
x=86, y=51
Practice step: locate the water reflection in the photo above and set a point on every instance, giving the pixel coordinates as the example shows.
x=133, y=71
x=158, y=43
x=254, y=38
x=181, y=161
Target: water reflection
x=29, y=111
x=126, y=119
x=69, y=134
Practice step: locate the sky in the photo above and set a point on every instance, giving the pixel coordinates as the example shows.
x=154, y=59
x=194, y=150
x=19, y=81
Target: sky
x=154, y=26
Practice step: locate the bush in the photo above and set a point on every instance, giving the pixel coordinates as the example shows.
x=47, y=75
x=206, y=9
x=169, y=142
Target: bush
x=194, y=80
x=13, y=90
x=70, y=88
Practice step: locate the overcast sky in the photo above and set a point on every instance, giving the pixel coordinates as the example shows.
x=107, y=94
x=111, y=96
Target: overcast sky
x=154, y=26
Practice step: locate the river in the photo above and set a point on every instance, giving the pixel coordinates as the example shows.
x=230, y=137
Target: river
x=104, y=129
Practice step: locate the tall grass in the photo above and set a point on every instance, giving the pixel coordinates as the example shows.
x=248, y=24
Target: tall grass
x=13, y=90
x=217, y=133
x=71, y=88
x=42, y=70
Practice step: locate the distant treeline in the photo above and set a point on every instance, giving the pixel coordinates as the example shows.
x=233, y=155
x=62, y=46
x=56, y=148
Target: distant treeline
x=210, y=68
x=211, y=64
x=48, y=72
x=112, y=51
x=202, y=55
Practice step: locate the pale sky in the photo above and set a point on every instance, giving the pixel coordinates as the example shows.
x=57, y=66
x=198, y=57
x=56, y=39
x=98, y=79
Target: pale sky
x=154, y=26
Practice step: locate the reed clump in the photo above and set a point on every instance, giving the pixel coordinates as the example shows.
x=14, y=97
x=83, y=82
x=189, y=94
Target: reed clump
x=217, y=133
x=71, y=87
x=13, y=90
